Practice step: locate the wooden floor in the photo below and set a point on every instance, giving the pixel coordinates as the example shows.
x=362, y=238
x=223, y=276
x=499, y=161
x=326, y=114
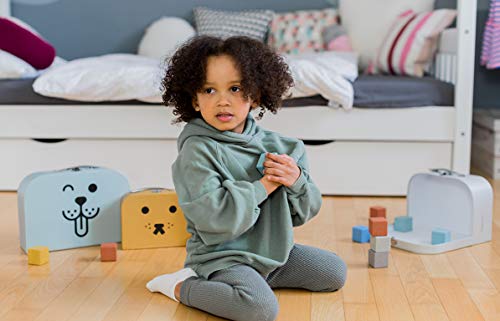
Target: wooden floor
x=459, y=285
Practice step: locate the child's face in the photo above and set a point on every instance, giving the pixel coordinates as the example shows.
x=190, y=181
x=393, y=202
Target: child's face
x=220, y=100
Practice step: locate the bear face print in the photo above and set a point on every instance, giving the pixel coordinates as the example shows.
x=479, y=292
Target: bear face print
x=152, y=218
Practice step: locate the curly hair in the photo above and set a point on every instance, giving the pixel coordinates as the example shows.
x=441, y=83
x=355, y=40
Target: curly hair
x=265, y=75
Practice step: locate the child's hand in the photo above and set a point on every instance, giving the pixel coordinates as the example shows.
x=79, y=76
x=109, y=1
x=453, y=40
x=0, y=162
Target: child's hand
x=281, y=169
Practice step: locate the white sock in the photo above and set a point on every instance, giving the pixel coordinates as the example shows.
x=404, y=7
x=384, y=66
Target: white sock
x=166, y=283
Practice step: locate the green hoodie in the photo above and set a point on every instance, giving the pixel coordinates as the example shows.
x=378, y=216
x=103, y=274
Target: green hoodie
x=230, y=216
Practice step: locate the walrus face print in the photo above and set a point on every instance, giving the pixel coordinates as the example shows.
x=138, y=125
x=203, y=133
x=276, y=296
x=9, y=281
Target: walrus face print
x=83, y=209
x=70, y=208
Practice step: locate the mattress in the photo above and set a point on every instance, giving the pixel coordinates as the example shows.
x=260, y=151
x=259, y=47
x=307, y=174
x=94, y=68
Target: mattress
x=370, y=91
x=20, y=92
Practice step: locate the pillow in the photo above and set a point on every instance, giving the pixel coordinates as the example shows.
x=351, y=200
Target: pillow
x=225, y=24
x=163, y=36
x=410, y=44
x=300, y=31
x=336, y=39
x=106, y=78
x=12, y=67
x=368, y=21
x=26, y=45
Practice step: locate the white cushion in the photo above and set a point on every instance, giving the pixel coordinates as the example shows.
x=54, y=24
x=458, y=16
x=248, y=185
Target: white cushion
x=448, y=42
x=12, y=67
x=163, y=36
x=111, y=77
x=368, y=21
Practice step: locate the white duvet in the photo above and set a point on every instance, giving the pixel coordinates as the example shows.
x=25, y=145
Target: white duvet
x=328, y=73
x=118, y=77
x=111, y=77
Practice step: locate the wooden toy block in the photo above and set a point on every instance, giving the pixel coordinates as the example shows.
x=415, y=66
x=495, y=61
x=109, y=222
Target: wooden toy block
x=260, y=162
x=152, y=218
x=440, y=235
x=403, y=223
x=377, y=211
x=378, y=259
x=108, y=252
x=38, y=255
x=360, y=234
x=380, y=243
x=377, y=226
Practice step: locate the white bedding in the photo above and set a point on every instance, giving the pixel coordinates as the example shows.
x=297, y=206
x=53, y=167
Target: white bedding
x=328, y=73
x=118, y=77
x=111, y=77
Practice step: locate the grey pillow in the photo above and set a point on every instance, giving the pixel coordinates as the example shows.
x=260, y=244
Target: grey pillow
x=225, y=24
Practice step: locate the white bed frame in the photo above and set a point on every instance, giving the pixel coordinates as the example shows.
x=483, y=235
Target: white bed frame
x=362, y=151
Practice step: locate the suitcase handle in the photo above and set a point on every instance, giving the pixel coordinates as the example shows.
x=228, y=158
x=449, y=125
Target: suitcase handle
x=152, y=189
x=445, y=172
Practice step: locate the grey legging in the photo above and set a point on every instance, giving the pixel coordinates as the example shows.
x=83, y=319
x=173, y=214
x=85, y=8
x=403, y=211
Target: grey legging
x=241, y=293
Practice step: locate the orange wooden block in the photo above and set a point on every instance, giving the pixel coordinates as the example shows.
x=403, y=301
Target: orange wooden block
x=377, y=211
x=377, y=226
x=108, y=252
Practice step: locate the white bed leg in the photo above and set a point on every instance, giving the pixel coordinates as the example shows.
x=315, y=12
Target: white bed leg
x=465, y=85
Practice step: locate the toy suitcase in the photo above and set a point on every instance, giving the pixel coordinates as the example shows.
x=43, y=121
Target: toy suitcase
x=459, y=204
x=152, y=218
x=70, y=208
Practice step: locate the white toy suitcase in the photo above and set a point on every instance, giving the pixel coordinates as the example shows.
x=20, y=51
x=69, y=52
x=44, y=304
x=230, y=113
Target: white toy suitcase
x=462, y=204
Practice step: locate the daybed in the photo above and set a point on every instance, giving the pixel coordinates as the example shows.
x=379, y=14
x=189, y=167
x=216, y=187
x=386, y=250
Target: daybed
x=362, y=151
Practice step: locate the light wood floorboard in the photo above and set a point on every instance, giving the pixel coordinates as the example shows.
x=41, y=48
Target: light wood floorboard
x=458, y=285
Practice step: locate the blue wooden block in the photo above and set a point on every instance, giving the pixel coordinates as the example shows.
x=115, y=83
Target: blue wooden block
x=440, y=235
x=403, y=224
x=71, y=208
x=360, y=234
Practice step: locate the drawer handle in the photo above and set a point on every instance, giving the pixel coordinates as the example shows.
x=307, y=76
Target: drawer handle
x=317, y=142
x=49, y=140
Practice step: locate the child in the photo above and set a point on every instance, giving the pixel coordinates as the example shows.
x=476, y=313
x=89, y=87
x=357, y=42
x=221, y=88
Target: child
x=241, y=221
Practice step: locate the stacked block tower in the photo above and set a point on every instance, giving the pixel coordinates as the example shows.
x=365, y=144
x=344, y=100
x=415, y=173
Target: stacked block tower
x=380, y=242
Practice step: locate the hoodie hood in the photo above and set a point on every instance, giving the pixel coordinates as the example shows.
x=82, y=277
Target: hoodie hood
x=198, y=127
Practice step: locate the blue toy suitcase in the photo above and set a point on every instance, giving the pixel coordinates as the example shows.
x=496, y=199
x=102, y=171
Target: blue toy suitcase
x=70, y=208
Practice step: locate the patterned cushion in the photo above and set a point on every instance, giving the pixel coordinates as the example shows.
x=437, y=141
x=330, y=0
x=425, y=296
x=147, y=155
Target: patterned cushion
x=300, y=31
x=410, y=44
x=225, y=24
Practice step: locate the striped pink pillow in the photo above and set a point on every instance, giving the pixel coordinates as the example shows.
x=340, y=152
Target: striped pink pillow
x=410, y=44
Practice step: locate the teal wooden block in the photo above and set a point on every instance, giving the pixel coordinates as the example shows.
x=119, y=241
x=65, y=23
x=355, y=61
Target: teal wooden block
x=260, y=162
x=71, y=208
x=403, y=223
x=440, y=235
